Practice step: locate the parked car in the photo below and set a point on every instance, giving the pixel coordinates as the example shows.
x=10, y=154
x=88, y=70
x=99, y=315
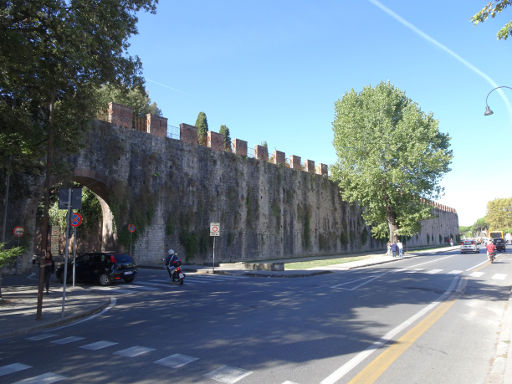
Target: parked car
x=500, y=244
x=469, y=246
x=100, y=267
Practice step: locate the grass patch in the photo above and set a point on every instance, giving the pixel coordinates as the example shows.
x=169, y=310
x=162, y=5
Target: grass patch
x=322, y=262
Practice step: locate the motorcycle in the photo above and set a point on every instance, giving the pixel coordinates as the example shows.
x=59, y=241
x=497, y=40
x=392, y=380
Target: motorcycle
x=174, y=269
x=492, y=256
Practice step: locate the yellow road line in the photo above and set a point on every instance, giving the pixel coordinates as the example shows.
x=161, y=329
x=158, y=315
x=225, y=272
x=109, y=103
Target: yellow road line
x=382, y=362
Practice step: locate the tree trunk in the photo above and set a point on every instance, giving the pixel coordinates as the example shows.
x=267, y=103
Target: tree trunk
x=392, y=225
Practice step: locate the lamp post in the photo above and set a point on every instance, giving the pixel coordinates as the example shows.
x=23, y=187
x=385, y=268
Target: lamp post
x=488, y=111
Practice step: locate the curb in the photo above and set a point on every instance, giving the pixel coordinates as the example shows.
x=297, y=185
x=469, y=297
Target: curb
x=59, y=322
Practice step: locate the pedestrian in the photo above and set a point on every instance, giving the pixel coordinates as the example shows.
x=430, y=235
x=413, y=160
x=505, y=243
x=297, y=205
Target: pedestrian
x=48, y=267
x=394, y=249
x=400, y=247
x=388, y=251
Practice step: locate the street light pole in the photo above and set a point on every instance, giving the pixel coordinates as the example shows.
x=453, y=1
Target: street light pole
x=488, y=111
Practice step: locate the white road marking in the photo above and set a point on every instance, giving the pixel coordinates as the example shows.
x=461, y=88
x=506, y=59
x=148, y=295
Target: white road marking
x=42, y=336
x=228, y=375
x=98, y=345
x=12, y=368
x=499, y=276
x=67, y=340
x=176, y=361
x=477, y=274
x=434, y=271
x=361, y=356
x=133, y=351
x=455, y=272
x=45, y=378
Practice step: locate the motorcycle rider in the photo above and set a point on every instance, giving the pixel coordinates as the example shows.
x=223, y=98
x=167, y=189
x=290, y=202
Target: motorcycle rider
x=170, y=259
x=491, y=249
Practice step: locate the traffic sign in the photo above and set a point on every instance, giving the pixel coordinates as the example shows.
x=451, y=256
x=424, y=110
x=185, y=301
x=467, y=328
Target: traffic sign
x=76, y=219
x=214, y=229
x=131, y=228
x=18, y=231
x=76, y=198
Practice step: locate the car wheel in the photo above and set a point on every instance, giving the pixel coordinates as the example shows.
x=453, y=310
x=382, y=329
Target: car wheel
x=104, y=280
x=128, y=279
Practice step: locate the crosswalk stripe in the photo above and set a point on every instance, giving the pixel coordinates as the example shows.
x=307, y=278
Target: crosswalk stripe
x=67, y=340
x=133, y=351
x=476, y=274
x=176, y=361
x=455, y=272
x=12, y=368
x=434, y=271
x=46, y=378
x=98, y=345
x=499, y=276
x=42, y=336
x=228, y=375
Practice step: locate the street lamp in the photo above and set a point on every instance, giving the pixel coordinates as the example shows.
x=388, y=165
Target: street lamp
x=488, y=111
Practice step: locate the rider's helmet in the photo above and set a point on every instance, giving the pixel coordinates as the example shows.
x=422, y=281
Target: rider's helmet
x=170, y=252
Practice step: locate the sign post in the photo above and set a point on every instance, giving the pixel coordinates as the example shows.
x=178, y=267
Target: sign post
x=18, y=231
x=214, y=232
x=131, y=229
x=76, y=220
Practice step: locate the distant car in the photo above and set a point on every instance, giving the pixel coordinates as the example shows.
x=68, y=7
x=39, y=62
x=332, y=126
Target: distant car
x=500, y=244
x=100, y=267
x=469, y=246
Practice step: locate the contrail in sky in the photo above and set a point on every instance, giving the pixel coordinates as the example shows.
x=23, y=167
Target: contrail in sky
x=165, y=86
x=444, y=48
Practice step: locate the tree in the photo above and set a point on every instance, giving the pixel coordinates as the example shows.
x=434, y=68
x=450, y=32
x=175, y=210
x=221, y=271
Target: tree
x=391, y=157
x=202, y=128
x=492, y=8
x=5, y=256
x=224, y=131
x=499, y=214
x=53, y=57
x=136, y=98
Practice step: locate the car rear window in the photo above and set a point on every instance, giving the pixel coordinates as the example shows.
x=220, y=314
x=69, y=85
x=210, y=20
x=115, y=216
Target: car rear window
x=123, y=258
x=469, y=242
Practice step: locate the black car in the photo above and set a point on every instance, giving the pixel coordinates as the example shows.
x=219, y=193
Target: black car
x=500, y=244
x=101, y=267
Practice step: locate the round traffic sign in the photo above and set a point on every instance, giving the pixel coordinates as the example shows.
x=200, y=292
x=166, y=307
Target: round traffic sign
x=76, y=219
x=131, y=227
x=18, y=231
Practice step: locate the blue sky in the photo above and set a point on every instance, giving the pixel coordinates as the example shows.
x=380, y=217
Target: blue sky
x=272, y=71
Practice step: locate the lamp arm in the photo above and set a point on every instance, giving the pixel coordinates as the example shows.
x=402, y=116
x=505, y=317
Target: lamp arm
x=501, y=86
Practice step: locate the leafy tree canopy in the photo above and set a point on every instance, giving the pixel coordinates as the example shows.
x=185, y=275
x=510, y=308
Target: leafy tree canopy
x=136, y=98
x=391, y=157
x=224, y=131
x=202, y=128
x=492, y=8
x=54, y=55
x=499, y=214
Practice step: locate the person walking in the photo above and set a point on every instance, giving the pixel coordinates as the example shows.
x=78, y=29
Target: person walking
x=394, y=249
x=48, y=267
x=400, y=247
x=388, y=251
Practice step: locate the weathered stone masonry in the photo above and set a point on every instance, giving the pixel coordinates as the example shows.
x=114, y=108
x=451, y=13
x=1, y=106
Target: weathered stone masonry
x=173, y=189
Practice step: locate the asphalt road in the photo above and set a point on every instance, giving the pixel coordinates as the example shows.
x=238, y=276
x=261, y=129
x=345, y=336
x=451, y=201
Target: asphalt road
x=431, y=319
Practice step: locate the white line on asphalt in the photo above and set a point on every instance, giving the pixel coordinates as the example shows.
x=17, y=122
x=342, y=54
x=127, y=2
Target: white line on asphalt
x=434, y=271
x=228, y=375
x=176, y=361
x=42, y=336
x=499, y=276
x=98, y=345
x=476, y=266
x=476, y=274
x=67, y=340
x=133, y=351
x=455, y=272
x=357, y=359
x=12, y=368
x=46, y=378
